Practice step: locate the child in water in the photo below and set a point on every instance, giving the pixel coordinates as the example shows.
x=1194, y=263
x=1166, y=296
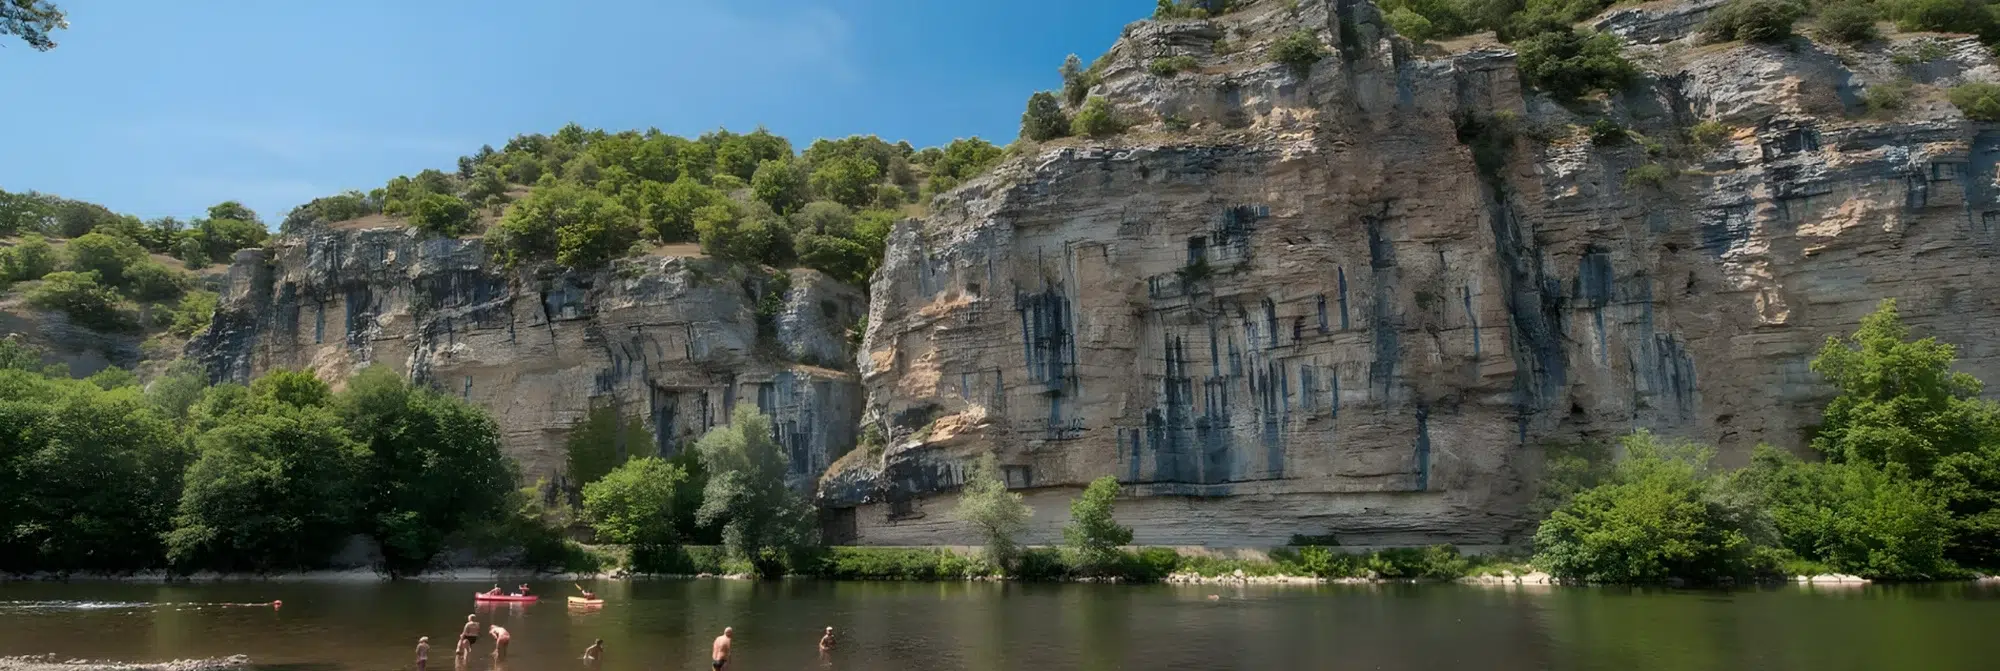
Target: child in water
x=423, y=651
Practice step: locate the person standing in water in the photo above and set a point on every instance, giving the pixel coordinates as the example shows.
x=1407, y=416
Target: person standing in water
x=469, y=635
x=423, y=652
x=500, y=640
x=594, y=655
x=826, y=648
x=719, y=652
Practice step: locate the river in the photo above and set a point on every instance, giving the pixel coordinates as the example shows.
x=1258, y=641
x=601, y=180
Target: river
x=666, y=624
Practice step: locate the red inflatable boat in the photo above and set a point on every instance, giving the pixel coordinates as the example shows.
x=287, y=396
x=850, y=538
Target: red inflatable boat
x=482, y=596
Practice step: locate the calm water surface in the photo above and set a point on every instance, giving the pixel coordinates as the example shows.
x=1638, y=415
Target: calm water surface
x=993, y=627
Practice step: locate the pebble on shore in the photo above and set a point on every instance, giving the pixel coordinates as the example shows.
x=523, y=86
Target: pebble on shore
x=50, y=663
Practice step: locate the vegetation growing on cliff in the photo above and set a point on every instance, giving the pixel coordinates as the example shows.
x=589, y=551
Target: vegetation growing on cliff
x=1909, y=488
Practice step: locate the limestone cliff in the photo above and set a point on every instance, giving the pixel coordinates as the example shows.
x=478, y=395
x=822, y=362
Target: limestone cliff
x=1363, y=299
x=673, y=340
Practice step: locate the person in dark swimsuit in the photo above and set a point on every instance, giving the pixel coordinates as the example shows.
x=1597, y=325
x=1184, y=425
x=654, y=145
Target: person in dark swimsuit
x=468, y=636
x=719, y=653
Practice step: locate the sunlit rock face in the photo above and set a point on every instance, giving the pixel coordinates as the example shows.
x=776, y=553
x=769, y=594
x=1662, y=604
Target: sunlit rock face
x=1365, y=300
x=672, y=342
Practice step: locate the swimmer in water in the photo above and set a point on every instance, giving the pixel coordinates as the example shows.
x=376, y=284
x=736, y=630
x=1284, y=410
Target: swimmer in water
x=468, y=636
x=500, y=640
x=719, y=652
x=826, y=642
x=594, y=654
x=423, y=652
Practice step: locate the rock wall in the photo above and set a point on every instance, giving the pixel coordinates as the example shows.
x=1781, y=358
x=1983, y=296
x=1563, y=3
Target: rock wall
x=1362, y=300
x=673, y=341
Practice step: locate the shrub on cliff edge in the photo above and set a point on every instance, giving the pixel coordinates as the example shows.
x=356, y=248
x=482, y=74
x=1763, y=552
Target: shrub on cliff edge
x=1299, y=50
x=1980, y=101
x=1753, y=20
x=1570, y=64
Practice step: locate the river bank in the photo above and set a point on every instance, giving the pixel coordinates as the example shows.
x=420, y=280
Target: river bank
x=51, y=663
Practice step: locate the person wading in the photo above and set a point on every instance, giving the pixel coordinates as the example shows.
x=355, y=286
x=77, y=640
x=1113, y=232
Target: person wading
x=500, y=640
x=423, y=652
x=594, y=655
x=719, y=653
x=469, y=635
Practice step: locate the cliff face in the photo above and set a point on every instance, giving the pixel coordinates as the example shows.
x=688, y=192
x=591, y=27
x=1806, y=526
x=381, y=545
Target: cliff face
x=1364, y=300
x=671, y=341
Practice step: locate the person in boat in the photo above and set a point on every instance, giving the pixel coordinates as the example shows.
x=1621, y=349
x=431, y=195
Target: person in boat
x=500, y=640
x=587, y=594
x=594, y=654
x=469, y=635
x=423, y=652
x=719, y=652
x=523, y=590
x=495, y=591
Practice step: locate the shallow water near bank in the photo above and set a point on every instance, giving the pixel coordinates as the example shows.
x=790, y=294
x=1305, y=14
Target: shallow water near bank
x=666, y=624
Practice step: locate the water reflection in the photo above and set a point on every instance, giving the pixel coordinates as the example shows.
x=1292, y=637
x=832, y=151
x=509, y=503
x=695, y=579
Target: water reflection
x=1010, y=627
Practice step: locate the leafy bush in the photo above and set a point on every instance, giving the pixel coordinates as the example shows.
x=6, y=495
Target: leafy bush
x=1093, y=536
x=781, y=184
x=1096, y=119
x=997, y=514
x=1753, y=20
x=961, y=160
x=577, y=227
x=747, y=493
x=150, y=282
x=1980, y=101
x=1411, y=25
x=83, y=298
x=1299, y=50
x=107, y=256
x=1182, y=9
x=441, y=214
x=1886, y=98
x=1605, y=132
x=634, y=504
x=735, y=232
x=867, y=563
x=1851, y=21
x=1651, y=175
x=1041, y=564
x=849, y=181
x=1148, y=565
x=340, y=207
x=1171, y=65
x=1853, y=518
x=29, y=259
x=1657, y=519
x=1710, y=134
x=1945, y=16
x=193, y=314
x=1569, y=63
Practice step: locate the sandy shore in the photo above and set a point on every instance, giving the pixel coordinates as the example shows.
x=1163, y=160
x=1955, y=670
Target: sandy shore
x=50, y=663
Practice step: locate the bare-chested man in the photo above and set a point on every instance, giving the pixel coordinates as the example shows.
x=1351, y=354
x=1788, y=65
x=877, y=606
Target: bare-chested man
x=500, y=640
x=469, y=635
x=594, y=655
x=423, y=652
x=826, y=642
x=719, y=653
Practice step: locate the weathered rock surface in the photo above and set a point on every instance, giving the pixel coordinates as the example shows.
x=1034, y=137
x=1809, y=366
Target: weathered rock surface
x=672, y=341
x=1363, y=300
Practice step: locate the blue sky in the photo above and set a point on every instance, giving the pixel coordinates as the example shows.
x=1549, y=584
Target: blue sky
x=163, y=108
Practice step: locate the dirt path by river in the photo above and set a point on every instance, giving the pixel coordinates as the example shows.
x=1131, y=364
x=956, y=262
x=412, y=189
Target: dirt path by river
x=50, y=663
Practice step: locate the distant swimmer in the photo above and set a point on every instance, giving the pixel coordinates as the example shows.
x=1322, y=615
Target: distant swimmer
x=468, y=636
x=500, y=640
x=423, y=652
x=594, y=654
x=719, y=653
x=826, y=642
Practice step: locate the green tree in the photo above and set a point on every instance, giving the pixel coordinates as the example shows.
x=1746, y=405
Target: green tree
x=1854, y=517
x=635, y=504
x=1849, y=21
x=83, y=298
x=106, y=255
x=88, y=476
x=1044, y=119
x=29, y=259
x=746, y=493
x=113, y=377
x=24, y=212
x=598, y=444
x=149, y=282
x=193, y=313
x=961, y=160
x=577, y=227
x=1411, y=25
x=220, y=238
x=441, y=214
x=668, y=209
x=161, y=234
x=847, y=180
x=175, y=391
x=780, y=184
x=234, y=211
x=1658, y=518
x=997, y=514
x=844, y=259
x=1570, y=63
x=431, y=465
x=74, y=218
x=1093, y=537
x=274, y=486
x=1900, y=404
x=735, y=232
x=1076, y=80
